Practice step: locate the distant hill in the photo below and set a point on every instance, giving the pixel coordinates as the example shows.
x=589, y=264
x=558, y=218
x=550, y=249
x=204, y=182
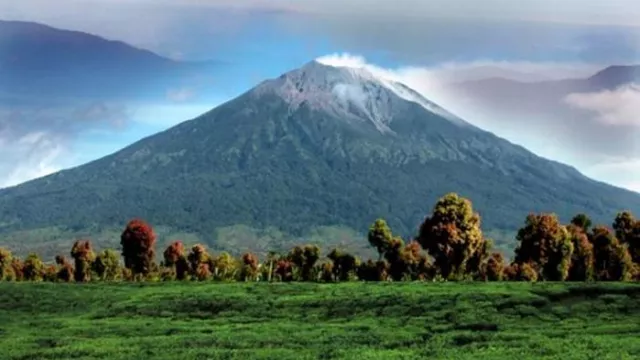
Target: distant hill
x=541, y=97
x=317, y=146
x=40, y=61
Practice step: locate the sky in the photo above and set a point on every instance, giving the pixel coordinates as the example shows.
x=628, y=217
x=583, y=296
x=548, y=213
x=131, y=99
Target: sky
x=424, y=44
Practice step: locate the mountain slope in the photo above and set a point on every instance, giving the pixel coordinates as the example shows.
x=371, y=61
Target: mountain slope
x=317, y=146
x=38, y=60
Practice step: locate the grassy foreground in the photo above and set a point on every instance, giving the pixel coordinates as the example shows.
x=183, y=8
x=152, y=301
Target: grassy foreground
x=320, y=321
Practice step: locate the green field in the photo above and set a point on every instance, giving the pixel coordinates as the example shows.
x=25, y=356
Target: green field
x=320, y=321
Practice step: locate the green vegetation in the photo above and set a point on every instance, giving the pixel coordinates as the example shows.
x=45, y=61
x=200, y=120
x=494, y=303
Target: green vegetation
x=450, y=245
x=259, y=163
x=319, y=321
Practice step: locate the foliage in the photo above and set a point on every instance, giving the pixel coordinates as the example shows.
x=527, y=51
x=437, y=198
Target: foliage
x=627, y=230
x=452, y=235
x=84, y=256
x=581, y=265
x=583, y=222
x=455, y=249
x=306, y=321
x=545, y=245
x=107, y=265
x=6, y=270
x=65, y=271
x=33, y=268
x=138, y=241
x=612, y=261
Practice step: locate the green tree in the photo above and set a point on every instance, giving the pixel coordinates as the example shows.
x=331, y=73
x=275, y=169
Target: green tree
x=304, y=258
x=83, y=255
x=107, y=265
x=344, y=266
x=627, y=230
x=452, y=235
x=225, y=266
x=33, y=268
x=6, y=270
x=583, y=222
x=581, y=268
x=380, y=237
x=546, y=245
x=138, y=247
x=612, y=261
x=17, y=266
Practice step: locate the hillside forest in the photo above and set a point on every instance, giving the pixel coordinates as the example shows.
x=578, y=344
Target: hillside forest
x=449, y=245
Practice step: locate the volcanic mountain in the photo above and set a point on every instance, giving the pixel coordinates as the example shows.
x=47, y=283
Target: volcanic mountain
x=317, y=146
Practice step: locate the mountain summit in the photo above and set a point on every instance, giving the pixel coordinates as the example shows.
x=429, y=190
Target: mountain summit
x=347, y=92
x=317, y=146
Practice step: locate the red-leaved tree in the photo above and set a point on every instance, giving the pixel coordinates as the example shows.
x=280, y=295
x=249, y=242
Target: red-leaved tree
x=138, y=247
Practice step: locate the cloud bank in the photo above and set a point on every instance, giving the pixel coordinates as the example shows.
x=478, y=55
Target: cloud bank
x=619, y=107
x=599, y=133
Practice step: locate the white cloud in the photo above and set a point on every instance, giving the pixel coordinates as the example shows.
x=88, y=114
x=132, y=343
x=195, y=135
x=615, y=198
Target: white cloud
x=30, y=156
x=617, y=12
x=619, y=107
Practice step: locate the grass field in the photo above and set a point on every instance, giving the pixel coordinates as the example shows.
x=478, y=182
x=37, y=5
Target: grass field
x=320, y=321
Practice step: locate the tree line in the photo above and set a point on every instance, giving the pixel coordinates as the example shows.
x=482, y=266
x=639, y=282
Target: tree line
x=449, y=245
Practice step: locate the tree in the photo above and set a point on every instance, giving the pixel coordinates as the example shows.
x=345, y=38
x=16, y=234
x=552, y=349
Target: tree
x=627, y=230
x=250, y=267
x=344, y=264
x=83, y=255
x=495, y=267
x=65, y=270
x=546, y=245
x=284, y=270
x=521, y=272
x=33, y=268
x=7, y=272
x=380, y=237
x=304, y=258
x=583, y=222
x=17, y=267
x=452, y=235
x=612, y=261
x=198, y=260
x=225, y=266
x=138, y=241
x=107, y=265
x=176, y=260
x=581, y=268
x=371, y=270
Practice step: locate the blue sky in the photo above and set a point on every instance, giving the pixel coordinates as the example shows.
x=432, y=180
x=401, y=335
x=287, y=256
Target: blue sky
x=417, y=41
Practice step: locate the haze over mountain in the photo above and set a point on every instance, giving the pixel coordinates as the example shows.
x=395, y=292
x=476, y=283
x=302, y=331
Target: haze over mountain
x=37, y=60
x=592, y=121
x=317, y=146
x=59, y=88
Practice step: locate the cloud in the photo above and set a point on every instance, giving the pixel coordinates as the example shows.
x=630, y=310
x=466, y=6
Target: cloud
x=409, y=30
x=536, y=118
x=619, y=107
x=38, y=141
